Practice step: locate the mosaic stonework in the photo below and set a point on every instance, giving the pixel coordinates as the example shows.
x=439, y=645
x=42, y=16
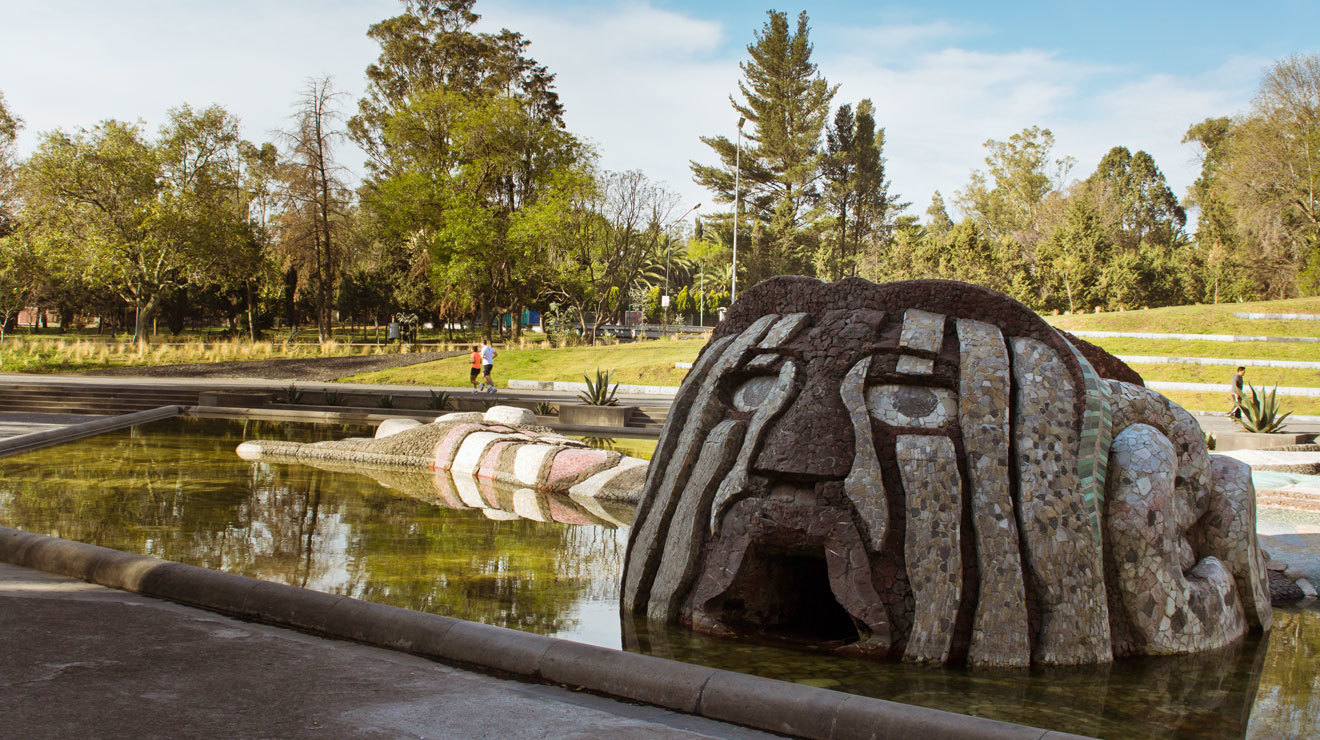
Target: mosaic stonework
x=927, y=471
x=472, y=461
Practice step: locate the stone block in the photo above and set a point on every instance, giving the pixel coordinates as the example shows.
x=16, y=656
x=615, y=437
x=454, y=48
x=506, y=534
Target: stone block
x=234, y=399
x=594, y=416
x=394, y=426
x=509, y=415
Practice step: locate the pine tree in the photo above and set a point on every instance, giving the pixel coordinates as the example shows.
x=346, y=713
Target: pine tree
x=786, y=101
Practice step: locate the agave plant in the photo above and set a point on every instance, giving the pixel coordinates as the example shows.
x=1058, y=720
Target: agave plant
x=439, y=400
x=1261, y=413
x=293, y=394
x=334, y=398
x=386, y=401
x=545, y=408
x=599, y=392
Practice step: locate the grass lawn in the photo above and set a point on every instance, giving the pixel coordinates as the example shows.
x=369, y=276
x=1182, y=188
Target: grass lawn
x=1305, y=351
x=1257, y=376
x=640, y=363
x=1304, y=406
x=1216, y=319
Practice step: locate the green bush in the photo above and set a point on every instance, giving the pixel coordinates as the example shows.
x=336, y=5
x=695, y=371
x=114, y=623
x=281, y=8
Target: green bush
x=438, y=401
x=599, y=392
x=1261, y=413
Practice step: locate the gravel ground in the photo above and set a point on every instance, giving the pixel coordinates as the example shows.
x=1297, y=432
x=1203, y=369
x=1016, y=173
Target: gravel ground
x=322, y=369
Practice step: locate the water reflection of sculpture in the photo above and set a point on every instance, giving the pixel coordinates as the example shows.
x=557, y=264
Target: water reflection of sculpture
x=499, y=463
x=929, y=470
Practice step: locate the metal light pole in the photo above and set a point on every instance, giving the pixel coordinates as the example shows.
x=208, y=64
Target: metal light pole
x=669, y=247
x=737, y=203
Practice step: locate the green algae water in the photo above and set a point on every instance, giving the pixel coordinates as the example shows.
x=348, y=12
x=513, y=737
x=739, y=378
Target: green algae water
x=176, y=490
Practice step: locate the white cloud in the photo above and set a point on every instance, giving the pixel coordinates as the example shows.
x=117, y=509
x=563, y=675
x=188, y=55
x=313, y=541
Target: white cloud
x=641, y=81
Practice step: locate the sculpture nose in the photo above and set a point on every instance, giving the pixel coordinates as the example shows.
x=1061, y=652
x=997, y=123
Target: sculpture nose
x=811, y=440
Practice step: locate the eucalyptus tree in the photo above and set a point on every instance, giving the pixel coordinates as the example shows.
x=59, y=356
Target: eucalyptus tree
x=463, y=130
x=1022, y=173
x=786, y=101
x=1270, y=172
x=316, y=199
x=602, y=232
x=9, y=128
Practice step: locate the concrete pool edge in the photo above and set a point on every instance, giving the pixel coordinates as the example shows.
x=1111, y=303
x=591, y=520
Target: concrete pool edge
x=50, y=437
x=761, y=703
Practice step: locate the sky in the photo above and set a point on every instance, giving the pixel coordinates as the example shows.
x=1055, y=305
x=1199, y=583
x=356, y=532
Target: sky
x=644, y=79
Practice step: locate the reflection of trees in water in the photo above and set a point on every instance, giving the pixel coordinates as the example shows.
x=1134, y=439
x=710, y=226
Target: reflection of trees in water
x=178, y=491
x=1288, y=703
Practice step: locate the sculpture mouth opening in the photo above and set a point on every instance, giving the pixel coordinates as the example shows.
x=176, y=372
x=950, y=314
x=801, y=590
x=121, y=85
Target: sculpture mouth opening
x=786, y=597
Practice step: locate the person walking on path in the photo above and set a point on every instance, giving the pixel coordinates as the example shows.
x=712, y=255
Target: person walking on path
x=487, y=363
x=1236, y=390
x=476, y=369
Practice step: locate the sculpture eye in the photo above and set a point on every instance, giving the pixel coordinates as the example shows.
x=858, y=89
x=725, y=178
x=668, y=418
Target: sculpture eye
x=752, y=393
x=911, y=405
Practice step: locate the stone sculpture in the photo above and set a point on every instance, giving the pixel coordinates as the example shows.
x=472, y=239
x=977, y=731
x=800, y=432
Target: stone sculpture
x=499, y=462
x=926, y=470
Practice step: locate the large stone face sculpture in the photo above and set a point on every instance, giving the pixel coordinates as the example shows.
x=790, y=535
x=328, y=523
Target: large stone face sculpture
x=928, y=470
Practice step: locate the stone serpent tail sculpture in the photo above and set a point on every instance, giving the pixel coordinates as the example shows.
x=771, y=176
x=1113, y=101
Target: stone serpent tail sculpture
x=926, y=470
x=498, y=462
x=921, y=470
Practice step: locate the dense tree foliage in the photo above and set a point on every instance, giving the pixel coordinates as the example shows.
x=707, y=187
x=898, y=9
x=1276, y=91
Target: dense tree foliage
x=477, y=203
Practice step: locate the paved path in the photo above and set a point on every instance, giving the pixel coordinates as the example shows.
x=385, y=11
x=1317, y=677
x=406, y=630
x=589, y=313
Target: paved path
x=82, y=660
x=1293, y=537
x=14, y=424
x=280, y=386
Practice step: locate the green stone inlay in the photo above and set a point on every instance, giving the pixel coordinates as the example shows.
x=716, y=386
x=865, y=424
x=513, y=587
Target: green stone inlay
x=1096, y=437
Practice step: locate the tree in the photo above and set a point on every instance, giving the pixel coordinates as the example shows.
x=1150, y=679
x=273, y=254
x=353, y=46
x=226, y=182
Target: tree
x=19, y=275
x=1271, y=171
x=787, y=102
x=938, y=222
x=463, y=131
x=1220, y=254
x=607, y=229
x=1021, y=175
x=317, y=199
x=9, y=127
x=95, y=196
x=1133, y=200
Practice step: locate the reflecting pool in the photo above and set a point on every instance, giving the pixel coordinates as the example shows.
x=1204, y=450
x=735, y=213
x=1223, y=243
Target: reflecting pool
x=176, y=490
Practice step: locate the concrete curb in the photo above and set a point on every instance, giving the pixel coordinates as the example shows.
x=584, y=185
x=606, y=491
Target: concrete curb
x=761, y=703
x=1283, y=390
x=371, y=417
x=37, y=440
x=569, y=387
x=1220, y=361
x=1089, y=333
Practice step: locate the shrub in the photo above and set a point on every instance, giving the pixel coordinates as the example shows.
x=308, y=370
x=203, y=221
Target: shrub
x=1261, y=414
x=599, y=392
x=386, y=401
x=545, y=408
x=293, y=394
x=334, y=398
x=438, y=401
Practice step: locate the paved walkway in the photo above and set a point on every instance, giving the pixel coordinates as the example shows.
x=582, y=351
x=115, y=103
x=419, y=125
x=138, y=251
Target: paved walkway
x=14, y=424
x=279, y=386
x=82, y=660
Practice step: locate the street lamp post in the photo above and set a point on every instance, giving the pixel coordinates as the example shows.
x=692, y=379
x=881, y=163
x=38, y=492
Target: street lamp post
x=737, y=203
x=669, y=247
